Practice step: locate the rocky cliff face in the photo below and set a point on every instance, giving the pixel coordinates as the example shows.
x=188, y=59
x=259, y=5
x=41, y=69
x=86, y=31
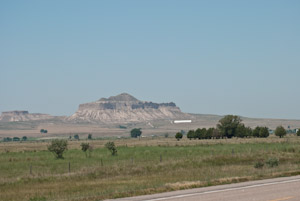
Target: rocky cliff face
x=125, y=108
x=12, y=116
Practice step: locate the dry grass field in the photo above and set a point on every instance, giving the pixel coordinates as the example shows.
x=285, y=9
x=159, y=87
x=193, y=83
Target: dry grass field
x=142, y=166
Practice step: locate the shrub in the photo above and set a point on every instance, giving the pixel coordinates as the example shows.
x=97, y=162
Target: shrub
x=112, y=148
x=43, y=131
x=259, y=164
x=24, y=138
x=76, y=137
x=272, y=162
x=178, y=136
x=166, y=135
x=7, y=139
x=298, y=132
x=16, y=139
x=86, y=147
x=57, y=147
x=90, y=137
x=38, y=199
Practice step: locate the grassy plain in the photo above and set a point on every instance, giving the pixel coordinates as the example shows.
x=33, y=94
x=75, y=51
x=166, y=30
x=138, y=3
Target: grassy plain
x=144, y=166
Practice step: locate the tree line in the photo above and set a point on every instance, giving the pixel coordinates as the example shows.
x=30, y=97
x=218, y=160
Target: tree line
x=232, y=126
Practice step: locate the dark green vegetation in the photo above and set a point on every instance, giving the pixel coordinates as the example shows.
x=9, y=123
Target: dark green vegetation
x=43, y=131
x=86, y=148
x=280, y=131
x=57, y=147
x=136, y=132
x=228, y=127
x=178, y=136
x=147, y=166
x=112, y=148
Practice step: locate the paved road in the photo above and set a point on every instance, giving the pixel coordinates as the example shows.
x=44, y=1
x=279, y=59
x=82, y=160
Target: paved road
x=279, y=189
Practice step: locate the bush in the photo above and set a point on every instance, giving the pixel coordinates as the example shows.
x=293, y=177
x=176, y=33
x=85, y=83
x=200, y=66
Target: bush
x=136, y=132
x=272, y=162
x=259, y=164
x=76, y=137
x=57, y=147
x=7, y=139
x=178, y=136
x=16, y=139
x=43, y=131
x=24, y=138
x=112, y=148
x=166, y=135
x=298, y=132
x=90, y=137
x=86, y=147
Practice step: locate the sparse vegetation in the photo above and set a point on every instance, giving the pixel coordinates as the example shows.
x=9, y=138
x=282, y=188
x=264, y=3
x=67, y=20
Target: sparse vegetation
x=259, y=164
x=201, y=162
x=272, y=162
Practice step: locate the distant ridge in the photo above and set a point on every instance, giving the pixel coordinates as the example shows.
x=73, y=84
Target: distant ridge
x=125, y=108
x=22, y=115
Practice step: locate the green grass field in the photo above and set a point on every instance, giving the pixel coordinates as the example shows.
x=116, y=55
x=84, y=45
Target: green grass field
x=141, y=167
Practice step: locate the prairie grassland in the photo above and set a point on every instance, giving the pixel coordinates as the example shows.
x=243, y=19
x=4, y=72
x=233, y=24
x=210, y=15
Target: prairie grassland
x=141, y=167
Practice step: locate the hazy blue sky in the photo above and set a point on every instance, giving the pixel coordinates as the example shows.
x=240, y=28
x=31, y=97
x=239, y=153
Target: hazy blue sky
x=210, y=57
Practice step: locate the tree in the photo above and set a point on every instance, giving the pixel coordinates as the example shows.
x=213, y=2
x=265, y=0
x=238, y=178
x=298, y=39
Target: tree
x=16, y=139
x=241, y=131
x=86, y=147
x=76, y=137
x=90, y=137
x=191, y=134
x=298, y=132
x=255, y=132
x=209, y=133
x=112, y=148
x=7, y=139
x=248, y=131
x=43, y=131
x=280, y=131
x=57, y=147
x=228, y=125
x=24, y=138
x=136, y=132
x=200, y=133
x=216, y=134
x=264, y=132
x=178, y=136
